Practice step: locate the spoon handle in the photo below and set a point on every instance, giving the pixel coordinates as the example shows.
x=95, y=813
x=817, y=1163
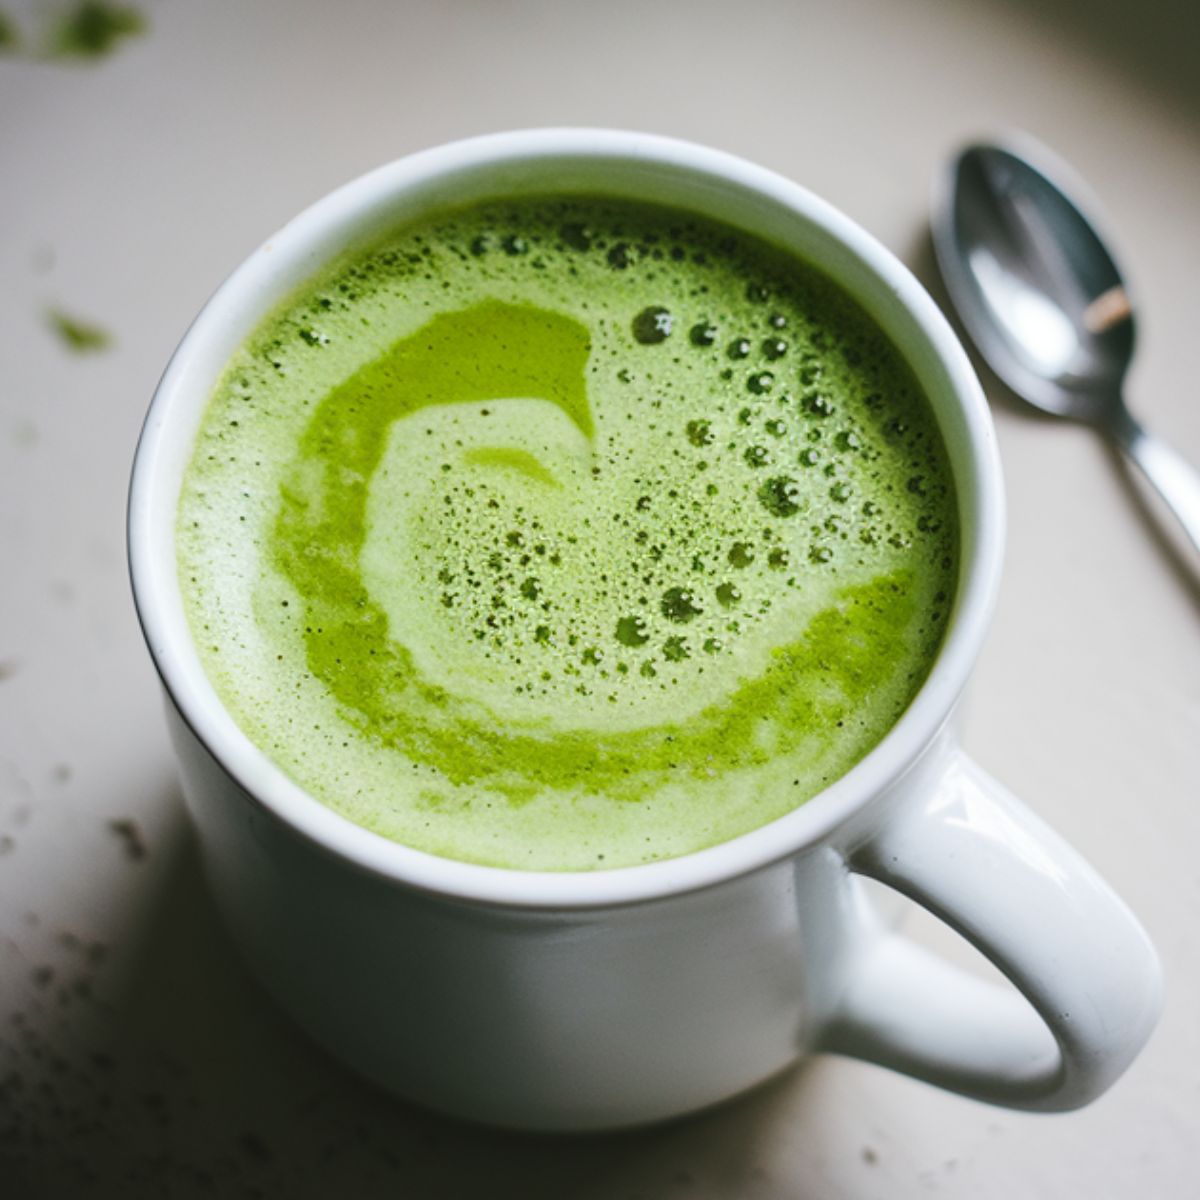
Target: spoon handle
x=1168, y=472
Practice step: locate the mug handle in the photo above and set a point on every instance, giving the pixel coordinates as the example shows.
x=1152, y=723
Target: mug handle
x=1088, y=983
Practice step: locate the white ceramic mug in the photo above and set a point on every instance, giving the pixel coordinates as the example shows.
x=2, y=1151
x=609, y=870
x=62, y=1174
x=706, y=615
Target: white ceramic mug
x=597, y=999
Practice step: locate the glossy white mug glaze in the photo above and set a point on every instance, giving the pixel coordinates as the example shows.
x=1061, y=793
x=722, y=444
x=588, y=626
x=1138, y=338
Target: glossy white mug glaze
x=599, y=999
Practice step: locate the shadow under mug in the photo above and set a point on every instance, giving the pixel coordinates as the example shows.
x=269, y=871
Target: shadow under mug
x=584, y=1000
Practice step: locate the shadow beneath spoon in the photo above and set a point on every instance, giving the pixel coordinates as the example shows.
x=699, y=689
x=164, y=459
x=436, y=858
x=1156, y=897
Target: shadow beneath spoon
x=1178, y=553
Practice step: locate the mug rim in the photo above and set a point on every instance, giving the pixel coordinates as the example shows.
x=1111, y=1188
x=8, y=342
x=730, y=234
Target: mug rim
x=186, y=386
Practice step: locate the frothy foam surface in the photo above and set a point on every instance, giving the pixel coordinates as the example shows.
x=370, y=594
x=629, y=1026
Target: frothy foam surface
x=567, y=533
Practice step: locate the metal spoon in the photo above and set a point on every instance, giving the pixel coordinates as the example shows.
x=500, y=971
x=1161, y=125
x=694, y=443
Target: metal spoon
x=1045, y=304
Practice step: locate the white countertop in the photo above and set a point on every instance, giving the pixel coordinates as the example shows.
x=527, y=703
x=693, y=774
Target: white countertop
x=136, y=1056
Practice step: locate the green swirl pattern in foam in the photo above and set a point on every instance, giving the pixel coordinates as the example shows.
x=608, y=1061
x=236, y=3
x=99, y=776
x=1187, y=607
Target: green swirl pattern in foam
x=567, y=534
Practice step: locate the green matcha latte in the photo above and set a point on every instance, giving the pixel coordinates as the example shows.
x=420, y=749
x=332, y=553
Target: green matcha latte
x=567, y=533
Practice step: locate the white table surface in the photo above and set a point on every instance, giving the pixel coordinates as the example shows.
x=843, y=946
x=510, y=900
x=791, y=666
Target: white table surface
x=137, y=1058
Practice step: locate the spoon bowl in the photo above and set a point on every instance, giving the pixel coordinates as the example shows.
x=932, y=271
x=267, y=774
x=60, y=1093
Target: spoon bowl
x=1042, y=298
